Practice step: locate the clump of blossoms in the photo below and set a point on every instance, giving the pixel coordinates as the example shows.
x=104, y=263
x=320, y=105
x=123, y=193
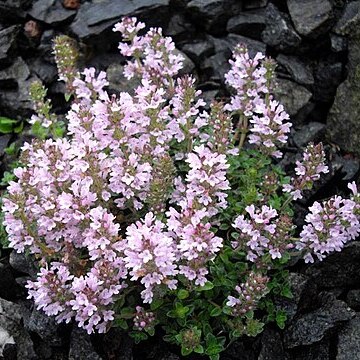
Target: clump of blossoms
x=151, y=208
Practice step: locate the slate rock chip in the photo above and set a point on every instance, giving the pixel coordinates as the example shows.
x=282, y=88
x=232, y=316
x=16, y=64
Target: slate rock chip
x=293, y=96
x=349, y=340
x=11, y=324
x=248, y=23
x=51, y=12
x=213, y=14
x=93, y=18
x=311, y=17
x=349, y=20
x=312, y=327
x=81, y=347
x=353, y=299
x=8, y=43
x=279, y=33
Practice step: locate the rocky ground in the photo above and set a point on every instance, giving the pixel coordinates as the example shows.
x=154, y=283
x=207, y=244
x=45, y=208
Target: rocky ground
x=317, y=46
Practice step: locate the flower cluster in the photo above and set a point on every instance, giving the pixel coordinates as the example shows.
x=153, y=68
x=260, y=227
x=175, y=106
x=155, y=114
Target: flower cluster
x=127, y=209
x=263, y=233
x=253, y=80
x=249, y=294
x=308, y=170
x=330, y=225
x=143, y=320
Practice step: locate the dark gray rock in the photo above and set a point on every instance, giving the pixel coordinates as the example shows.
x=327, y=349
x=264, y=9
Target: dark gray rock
x=81, y=347
x=213, y=13
x=118, y=345
x=345, y=112
x=255, y=4
x=311, y=17
x=4, y=141
x=93, y=18
x=22, y=263
x=13, y=10
x=338, y=43
x=311, y=132
x=279, y=33
x=249, y=23
x=46, y=46
x=8, y=43
x=293, y=96
x=340, y=269
x=198, y=50
x=347, y=165
x=312, y=327
x=44, y=326
x=299, y=71
x=188, y=65
x=45, y=71
x=15, y=81
x=328, y=76
x=12, y=330
x=271, y=346
x=8, y=287
x=317, y=351
x=180, y=28
x=353, y=299
x=349, y=340
x=349, y=19
x=51, y=12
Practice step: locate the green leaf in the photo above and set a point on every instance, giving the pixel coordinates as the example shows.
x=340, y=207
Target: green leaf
x=185, y=351
x=199, y=349
x=281, y=319
x=156, y=304
x=138, y=336
x=208, y=286
x=7, y=125
x=127, y=313
x=121, y=323
x=216, y=311
x=182, y=294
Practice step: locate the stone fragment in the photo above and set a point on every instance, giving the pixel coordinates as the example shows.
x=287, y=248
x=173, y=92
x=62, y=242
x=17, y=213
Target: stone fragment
x=249, y=23
x=312, y=327
x=44, y=70
x=340, y=269
x=338, y=43
x=293, y=96
x=81, y=347
x=279, y=33
x=11, y=327
x=311, y=132
x=13, y=10
x=349, y=340
x=117, y=82
x=180, y=28
x=199, y=49
x=299, y=71
x=22, y=263
x=93, y=18
x=255, y=4
x=15, y=82
x=51, y=12
x=311, y=17
x=328, y=76
x=348, y=166
x=349, y=19
x=8, y=43
x=353, y=300
x=271, y=346
x=213, y=13
x=343, y=123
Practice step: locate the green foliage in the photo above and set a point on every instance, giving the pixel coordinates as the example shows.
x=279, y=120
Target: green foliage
x=8, y=125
